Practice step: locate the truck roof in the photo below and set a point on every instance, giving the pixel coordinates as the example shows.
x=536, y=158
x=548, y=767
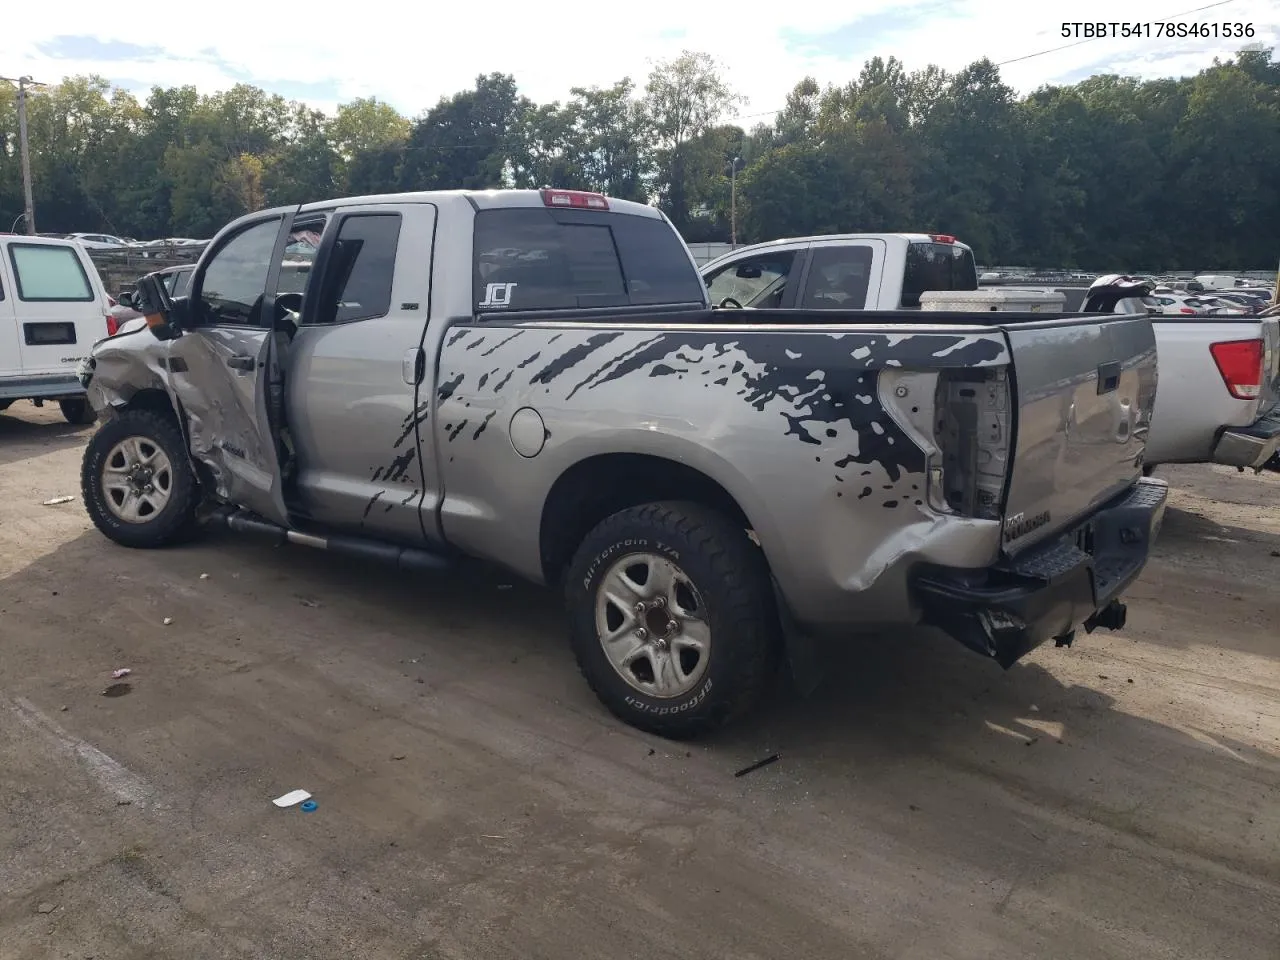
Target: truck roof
x=480, y=199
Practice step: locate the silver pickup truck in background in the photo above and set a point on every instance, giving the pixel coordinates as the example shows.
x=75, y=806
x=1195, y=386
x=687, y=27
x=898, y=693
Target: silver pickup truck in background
x=1219, y=395
x=536, y=378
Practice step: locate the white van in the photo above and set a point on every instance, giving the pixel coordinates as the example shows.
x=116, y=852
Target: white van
x=53, y=308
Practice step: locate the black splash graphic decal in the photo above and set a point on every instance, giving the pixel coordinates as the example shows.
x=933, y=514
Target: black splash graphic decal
x=503, y=382
x=573, y=356
x=475, y=343
x=446, y=389
x=456, y=337
x=454, y=431
x=369, y=506
x=501, y=343
x=484, y=423
x=399, y=467
x=411, y=422
x=528, y=360
x=594, y=376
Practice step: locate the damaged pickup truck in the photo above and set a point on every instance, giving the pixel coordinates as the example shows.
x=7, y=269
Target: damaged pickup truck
x=536, y=378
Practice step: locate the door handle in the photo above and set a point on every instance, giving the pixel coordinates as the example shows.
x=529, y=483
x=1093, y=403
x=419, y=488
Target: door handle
x=242, y=363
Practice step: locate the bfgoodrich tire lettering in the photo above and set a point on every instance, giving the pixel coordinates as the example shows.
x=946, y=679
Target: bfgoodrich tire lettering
x=723, y=575
x=176, y=520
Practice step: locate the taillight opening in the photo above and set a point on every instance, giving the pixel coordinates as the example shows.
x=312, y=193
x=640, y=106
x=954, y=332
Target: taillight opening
x=576, y=199
x=113, y=326
x=1240, y=363
x=973, y=432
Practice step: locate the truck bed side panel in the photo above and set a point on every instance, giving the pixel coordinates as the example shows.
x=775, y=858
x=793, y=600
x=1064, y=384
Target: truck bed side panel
x=789, y=422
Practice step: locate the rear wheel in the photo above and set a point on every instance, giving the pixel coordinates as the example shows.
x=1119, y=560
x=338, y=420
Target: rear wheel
x=137, y=483
x=78, y=411
x=672, y=617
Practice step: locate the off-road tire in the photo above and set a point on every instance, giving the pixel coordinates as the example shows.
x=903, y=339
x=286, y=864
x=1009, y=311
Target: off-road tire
x=176, y=522
x=78, y=411
x=730, y=573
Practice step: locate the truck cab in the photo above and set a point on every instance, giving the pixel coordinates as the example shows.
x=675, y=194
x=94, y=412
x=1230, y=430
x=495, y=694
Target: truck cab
x=855, y=271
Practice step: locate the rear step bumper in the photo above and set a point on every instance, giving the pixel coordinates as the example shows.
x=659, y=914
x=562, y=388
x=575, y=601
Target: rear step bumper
x=1250, y=447
x=1047, y=592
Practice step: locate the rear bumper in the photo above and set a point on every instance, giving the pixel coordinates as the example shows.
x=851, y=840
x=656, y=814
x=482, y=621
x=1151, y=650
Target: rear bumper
x=48, y=386
x=1251, y=446
x=1052, y=589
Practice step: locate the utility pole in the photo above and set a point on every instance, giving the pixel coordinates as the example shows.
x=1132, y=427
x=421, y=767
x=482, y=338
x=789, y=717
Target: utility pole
x=733, y=202
x=23, y=83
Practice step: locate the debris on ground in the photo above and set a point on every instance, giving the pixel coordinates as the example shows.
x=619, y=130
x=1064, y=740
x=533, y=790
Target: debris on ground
x=772, y=758
x=122, y=672
x=45, y=907
x=57, y=500
x=204, y=576
x=168, y=620
x=292, y=797
x=117, y=690
x=307, y=603
x=308, y=806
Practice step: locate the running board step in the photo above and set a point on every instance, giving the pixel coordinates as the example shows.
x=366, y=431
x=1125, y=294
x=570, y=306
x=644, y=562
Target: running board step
x=404, y=558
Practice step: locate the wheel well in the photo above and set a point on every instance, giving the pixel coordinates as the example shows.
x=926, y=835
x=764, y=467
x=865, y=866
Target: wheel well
x=599, y=487
x=152, y=399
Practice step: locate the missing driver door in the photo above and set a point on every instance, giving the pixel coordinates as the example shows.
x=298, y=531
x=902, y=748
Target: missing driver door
x=224, y=368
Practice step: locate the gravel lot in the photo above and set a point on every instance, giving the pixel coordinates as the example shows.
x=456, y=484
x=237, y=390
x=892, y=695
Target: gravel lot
x=1120, y=799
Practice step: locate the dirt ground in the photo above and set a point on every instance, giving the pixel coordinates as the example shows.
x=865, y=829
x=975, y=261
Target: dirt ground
x=1119, y=799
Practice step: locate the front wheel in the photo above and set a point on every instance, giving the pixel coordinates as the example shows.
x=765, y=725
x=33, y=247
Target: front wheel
x=78, y=411
x=137, y=483
x=673, y=621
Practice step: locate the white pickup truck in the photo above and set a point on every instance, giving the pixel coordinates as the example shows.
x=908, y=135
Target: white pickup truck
x=1219, y=395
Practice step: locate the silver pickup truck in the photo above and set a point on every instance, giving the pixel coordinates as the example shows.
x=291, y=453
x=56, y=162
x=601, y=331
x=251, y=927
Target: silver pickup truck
x=1219, y=396
x=537, y=378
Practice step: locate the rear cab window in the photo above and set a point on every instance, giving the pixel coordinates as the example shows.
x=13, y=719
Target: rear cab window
x=535, y=258
x=49, y=274
x=937, y=267
x=838, y=277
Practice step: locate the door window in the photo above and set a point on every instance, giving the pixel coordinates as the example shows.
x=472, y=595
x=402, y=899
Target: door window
x=838, y=278
x=360, y=269
x=49, y=274
x=234, y=280
x=758, y=282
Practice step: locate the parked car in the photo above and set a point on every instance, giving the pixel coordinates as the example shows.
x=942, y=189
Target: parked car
x=536, y=378
x=1219, y=395
x=52, y=309
x=99, y=241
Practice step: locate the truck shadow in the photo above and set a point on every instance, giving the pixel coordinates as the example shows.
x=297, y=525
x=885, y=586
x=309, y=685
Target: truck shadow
x=29, y=432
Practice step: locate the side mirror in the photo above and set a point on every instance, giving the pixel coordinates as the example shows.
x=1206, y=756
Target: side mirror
x=125, y=299
x=152, y=300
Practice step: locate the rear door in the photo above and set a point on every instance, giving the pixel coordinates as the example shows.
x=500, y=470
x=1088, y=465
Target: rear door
x=59, y=304
x=1084, y=393
x=224, y=369
x=843, y=275
x=10, y=336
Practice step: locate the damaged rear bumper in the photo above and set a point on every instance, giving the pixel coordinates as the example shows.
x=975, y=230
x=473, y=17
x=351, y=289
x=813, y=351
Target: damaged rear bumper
x=1249, y=447
x=1049, y=591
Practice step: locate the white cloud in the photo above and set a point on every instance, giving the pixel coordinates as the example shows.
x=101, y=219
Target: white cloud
x=410, y=54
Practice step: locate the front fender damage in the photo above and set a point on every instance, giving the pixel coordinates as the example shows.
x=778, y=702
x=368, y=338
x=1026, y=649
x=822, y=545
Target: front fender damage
x=124, y=368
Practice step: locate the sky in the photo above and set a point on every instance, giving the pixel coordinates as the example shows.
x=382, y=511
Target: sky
x=410, y=55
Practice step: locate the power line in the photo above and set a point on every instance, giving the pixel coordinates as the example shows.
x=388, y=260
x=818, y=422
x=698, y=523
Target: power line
x=1029, y=56
x=1067, y=46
